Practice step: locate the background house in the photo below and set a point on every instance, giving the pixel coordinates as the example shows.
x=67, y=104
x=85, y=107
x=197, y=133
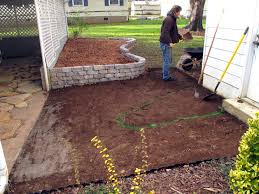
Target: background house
x=166, y=5
x=241, y=80
x=145, y=7
x=98, y=11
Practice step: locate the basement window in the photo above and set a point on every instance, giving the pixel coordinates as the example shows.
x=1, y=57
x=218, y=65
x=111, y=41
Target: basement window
x=78, y=2
x=114, y=2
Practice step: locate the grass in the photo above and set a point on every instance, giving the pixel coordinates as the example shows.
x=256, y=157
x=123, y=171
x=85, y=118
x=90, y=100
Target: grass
x=146, y=32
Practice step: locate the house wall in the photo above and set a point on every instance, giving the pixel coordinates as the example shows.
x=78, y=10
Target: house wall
x=233, y=23
x=166, y=5
x=53, y=34
x=144, y=8
x=97, y=12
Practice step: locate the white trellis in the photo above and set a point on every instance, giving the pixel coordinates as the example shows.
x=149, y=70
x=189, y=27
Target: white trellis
x=18, y=18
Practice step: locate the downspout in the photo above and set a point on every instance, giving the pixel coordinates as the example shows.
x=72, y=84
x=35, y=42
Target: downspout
x=45, y=67
x=3, y=171
x=66, y=13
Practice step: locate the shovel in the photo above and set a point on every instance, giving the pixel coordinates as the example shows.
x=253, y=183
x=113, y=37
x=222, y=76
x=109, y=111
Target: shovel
x=225, y=71
x=196, y=93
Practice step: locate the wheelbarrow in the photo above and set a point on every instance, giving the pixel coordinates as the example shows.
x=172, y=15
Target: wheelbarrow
x=195, y=60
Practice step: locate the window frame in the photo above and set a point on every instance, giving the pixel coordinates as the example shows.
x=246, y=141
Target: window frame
x=113, y=3
x=73, y=4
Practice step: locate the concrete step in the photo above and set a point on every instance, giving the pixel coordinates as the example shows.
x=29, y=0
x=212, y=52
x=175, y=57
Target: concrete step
x=240, y=108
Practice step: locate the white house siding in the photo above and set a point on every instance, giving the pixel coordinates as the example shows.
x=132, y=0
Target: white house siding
x=52, y=29
x=166, y=5
x=145, y=7
x=97, y=8
x=235, y=19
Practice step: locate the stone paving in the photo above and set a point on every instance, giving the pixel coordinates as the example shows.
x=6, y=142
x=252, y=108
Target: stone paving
x=19, y=80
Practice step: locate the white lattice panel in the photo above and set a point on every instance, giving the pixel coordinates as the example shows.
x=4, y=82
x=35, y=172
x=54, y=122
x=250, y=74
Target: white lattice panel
x=53, y=29
x=18, y=18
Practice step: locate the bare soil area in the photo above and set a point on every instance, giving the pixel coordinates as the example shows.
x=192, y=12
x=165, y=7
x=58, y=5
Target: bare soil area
x=179, y=130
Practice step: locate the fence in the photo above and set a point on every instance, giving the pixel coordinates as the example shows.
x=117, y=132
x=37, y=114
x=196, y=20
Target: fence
x=18, y=18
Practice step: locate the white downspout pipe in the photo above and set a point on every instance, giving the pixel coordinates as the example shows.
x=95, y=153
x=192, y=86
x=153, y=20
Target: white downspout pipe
x=3, y=171
x=45, y=67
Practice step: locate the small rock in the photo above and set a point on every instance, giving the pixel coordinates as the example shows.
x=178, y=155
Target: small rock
x=5, y=116
x=34, y=78
x=168, y=170
x=21, y=105
x=29, y=88
x=4, y=87
x=186, y=166
x=4, y=107
x=5, y=78
x=35, y=70
x=13, y=85
x=23, y=83
x=15, y=100
x=8, y=129
x=7, y=94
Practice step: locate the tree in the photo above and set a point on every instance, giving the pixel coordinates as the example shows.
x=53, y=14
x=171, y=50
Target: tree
x=197, y=7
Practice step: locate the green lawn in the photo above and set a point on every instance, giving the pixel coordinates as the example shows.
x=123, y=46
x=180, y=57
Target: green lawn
x=147, y=34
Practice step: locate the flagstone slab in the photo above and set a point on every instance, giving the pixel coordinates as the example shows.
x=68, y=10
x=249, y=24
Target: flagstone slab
x=4, y=107
x=15, y=100
x=30, y=88
x=5, y=116
x=8, y=129
x=22, y=105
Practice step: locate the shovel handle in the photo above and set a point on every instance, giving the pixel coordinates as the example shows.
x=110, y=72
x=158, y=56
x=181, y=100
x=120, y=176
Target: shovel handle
x=246, y=30
x=234, y=54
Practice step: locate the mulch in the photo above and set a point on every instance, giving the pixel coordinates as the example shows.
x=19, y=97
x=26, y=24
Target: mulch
x=202, y=177
x=90, y=51
x=179, y=130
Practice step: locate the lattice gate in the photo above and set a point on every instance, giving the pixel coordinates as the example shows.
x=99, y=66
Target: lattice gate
x=18, y=18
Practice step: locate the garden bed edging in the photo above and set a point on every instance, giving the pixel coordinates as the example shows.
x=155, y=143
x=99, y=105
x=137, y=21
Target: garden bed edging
x=85, y=75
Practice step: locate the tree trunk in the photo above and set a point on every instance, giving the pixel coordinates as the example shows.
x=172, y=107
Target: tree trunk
x=197, y=7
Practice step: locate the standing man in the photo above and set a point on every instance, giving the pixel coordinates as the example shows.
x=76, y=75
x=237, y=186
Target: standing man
x=169, y=36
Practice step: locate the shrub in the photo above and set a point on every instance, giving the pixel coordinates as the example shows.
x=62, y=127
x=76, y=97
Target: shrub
x=78, y=25
x=244, y=178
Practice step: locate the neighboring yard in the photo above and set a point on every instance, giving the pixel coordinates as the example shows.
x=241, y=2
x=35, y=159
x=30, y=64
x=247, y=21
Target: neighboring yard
x=146, y=32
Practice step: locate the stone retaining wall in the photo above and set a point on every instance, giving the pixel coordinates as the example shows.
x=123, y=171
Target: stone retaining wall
x=82, y=75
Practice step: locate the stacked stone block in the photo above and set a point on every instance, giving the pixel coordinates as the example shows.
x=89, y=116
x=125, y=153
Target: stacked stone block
x=91, y=74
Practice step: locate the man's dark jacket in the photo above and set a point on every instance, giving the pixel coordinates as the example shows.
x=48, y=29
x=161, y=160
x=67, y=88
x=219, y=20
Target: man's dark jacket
x=169, y=31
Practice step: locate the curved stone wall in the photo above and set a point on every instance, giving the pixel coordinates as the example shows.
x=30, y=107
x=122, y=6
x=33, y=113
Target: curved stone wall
x=82, y=75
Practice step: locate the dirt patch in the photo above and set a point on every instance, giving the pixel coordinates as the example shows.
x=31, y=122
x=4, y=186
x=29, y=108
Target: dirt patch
x=179, y=129
x=84, y=51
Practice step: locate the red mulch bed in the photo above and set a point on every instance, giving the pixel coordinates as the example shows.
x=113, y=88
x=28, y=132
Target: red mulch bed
x=86, y=51
x=60, y=141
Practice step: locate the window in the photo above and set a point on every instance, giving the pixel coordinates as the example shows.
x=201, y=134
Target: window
x=78, y=2
x=114, y=2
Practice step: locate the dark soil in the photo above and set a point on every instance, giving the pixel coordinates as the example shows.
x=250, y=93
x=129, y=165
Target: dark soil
x=179, y=130
x=86, y=51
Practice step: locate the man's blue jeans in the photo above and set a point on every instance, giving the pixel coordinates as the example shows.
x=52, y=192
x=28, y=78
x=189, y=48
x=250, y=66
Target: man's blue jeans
x=167, y=59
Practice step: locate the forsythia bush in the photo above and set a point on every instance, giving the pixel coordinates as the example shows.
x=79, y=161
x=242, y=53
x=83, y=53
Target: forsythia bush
x=245, y=177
